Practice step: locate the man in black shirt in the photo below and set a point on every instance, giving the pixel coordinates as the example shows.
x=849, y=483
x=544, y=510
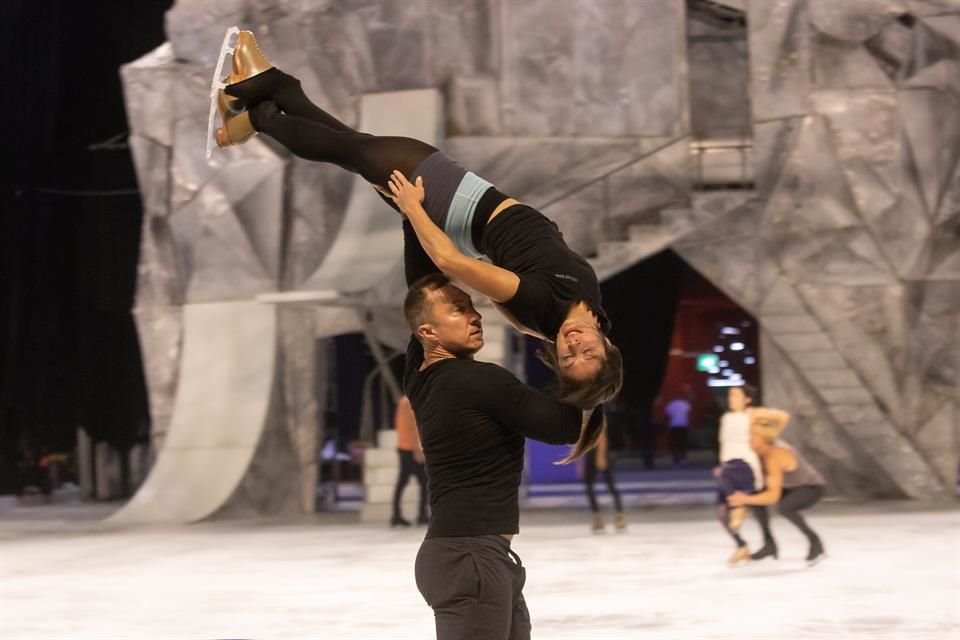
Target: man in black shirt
x=473, y=417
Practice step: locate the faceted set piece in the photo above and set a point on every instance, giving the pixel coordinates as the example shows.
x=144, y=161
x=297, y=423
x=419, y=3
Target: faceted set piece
x=845, y=249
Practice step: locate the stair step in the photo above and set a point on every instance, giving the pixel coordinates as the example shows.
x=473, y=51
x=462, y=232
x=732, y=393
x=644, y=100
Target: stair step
x=855, y=413
x=801, y=342
x=793, y=323
x=644, y=232
x=677, y=221
x=834, y=378
x=816, y=360
x=846, y=395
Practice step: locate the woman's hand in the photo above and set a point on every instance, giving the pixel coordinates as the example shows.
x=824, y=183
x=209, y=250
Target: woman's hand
x=405, y=194
x=737, y=499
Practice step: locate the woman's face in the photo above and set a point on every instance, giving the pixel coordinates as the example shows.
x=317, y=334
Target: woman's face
x=737, y=400
x=581, y=350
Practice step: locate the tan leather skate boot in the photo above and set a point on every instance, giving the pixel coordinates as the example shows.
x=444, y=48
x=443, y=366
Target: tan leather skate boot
x=742, y=554
x=598, y=526
x=248, y=60
x=237, y=127
x=620, y=522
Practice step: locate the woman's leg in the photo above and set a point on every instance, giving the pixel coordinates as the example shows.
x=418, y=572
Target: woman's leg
x=589, y=477
x=286, y=91
x=723, y=515
x=372, y=157
x=612, y=487
x=403, y=476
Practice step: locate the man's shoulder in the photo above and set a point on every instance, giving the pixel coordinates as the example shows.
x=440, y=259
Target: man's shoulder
x=457, y=368
x=782, y=455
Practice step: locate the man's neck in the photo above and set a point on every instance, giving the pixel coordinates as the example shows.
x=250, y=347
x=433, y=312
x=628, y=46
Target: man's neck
x=432, y=355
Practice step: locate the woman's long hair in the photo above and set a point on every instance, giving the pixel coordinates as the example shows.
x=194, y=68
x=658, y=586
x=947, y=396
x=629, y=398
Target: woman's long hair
x=587, y=394
x=589, y=435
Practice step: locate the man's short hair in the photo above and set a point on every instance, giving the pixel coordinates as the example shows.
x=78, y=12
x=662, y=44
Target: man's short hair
x=416, y=306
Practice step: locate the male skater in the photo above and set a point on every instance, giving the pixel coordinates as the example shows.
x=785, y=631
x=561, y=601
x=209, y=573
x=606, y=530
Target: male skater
x=473, y=417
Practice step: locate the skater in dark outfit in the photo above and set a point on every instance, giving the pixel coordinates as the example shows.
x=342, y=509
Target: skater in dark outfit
x=595, y=461
x=411, y=465
x=473, y=418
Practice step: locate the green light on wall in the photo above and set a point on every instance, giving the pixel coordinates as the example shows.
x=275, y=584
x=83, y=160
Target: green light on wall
x=707, y=361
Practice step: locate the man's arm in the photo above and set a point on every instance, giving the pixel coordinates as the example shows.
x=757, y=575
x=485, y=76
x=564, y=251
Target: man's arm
x=775, y=465
x=527, y=411
x=774, y=417
x=516, y=323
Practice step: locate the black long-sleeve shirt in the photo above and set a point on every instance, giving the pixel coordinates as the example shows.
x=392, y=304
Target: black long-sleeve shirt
x=553, y=277
x=473, y=417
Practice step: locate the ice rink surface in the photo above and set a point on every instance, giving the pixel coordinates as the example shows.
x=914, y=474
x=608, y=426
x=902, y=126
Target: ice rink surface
x=893, y=571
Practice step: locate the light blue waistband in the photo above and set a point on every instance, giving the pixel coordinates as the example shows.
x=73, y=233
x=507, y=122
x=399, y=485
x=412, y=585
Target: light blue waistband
x=459, y=223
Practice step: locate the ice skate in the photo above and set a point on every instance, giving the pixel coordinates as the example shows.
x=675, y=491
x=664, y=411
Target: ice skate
x=216, y=87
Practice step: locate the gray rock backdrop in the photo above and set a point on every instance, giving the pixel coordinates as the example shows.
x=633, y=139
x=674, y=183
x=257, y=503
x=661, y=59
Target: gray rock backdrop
x=847, y=249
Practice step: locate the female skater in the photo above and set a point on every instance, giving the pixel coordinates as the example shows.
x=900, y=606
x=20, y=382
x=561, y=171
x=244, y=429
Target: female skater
x=540, y=285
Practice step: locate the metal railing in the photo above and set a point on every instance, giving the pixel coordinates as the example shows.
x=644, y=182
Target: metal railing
x=722, y=163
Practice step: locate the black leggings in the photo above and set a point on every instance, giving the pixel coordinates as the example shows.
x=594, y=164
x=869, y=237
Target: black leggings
x=279, y=108
x=793, y=501
x=590, y=476
x=410, y=467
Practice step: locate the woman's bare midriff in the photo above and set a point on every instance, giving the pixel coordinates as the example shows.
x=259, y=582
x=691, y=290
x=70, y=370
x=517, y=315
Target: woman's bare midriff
x=509, y=202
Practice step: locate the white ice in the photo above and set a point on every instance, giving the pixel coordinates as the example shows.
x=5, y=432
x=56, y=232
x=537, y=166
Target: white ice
x=892, y=572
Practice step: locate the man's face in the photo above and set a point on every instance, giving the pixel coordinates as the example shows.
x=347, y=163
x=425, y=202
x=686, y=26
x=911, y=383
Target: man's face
x=758, y=443
x=581, y=350
x=454, y=323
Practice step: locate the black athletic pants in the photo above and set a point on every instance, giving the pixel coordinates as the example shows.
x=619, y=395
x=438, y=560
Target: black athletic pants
x=678, y=444
x=408, y=468
x=793, y=501
x=475, y=586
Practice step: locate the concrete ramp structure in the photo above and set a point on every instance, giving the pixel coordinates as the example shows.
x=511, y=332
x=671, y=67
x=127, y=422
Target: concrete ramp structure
x=360, y=284
x=369, y=245
x=361, y=275
x=226, y=450
x=221, y=413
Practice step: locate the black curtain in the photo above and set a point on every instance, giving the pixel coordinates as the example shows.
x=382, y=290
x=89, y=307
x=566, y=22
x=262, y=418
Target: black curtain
x=642, y=303
x=70, y=225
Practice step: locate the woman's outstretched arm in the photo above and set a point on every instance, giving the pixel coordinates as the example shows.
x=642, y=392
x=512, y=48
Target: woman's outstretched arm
x=499, y=284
